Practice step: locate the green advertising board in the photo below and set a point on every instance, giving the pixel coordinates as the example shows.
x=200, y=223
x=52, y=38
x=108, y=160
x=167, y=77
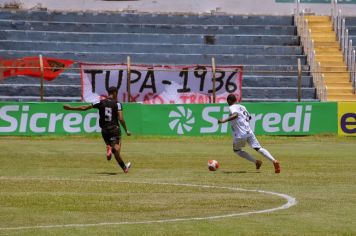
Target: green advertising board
x=173, y=119
x=267, y=118
x=51, y=118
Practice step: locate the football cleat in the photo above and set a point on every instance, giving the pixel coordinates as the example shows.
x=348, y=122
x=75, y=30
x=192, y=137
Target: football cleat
x=128, y=165
x=108, y=152
x=277, y=167
x=258, y=164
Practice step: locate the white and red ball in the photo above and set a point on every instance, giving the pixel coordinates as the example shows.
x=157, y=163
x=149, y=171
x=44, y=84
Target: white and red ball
x=213, y=165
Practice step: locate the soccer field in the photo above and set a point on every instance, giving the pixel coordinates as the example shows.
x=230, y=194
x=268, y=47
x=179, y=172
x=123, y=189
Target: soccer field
x=65, y=186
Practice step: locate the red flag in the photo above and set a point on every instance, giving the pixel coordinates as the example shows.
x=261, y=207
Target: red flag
x=30, y=66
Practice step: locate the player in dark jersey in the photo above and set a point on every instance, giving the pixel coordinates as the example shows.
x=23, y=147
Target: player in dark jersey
x=110, y=114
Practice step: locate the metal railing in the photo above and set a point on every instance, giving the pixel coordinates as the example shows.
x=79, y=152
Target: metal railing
x=346, y=44
x=353, y=80
x=308, y=45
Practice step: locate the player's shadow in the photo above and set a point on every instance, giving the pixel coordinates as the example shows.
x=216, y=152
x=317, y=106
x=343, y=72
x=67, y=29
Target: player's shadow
x=106, y=173
x=239, y=172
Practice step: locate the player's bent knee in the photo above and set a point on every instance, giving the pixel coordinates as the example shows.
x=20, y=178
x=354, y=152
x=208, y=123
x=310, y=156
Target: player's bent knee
x=237, y=150
x=115, y=149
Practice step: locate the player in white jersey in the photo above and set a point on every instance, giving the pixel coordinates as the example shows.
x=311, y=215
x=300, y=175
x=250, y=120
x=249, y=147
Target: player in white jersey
x=241, y=132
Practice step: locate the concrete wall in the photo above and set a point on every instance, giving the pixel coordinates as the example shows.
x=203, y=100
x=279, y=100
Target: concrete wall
x=269, y=7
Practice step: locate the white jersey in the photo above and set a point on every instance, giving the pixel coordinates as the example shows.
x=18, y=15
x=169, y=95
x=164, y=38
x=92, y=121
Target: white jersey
x=240, y=126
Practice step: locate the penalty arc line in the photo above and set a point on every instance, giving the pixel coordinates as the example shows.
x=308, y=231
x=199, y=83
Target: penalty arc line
x=291, y=201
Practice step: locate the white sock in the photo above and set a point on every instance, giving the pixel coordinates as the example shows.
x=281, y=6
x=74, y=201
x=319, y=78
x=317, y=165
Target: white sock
x=246, y=155
x=266, y=154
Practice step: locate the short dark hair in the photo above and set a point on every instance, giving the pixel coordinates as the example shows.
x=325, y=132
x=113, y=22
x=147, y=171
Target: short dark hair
x=231, y=98
x=112, y=90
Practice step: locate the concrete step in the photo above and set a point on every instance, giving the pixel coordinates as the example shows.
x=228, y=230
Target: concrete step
x=329, y=62
x=318, y=39
x=313, y=25
x=335, y=58
x=277, y=92
x=161, y=58
x=59, y=36
x=275, y=81
x=19, y=98
x=339, y=90
x=329, y=49
x=34, y=90
x=337, y=74
x=337, y=80
x=146, y=18
x=317, y=18
x=275, y=70
x=147, y=28
x=342, y=97
x=333, y=68
x=338, y=84
x=323, y=34
x=326, y=44
x=330, y=55
x=322, y=29
x=336, y=77
x=329, y=58
x=149, y=48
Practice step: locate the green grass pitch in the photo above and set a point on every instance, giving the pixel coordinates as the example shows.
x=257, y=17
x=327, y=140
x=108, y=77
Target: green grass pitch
x=66, y=186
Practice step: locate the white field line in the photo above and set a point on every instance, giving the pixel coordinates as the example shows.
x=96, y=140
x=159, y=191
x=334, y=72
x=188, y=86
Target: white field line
x=291, y=201
x=70, y=151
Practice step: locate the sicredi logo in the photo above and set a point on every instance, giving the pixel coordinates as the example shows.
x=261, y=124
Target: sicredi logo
x=19, y=119
x=348, y=123
x=181, y=120
x=298, y=121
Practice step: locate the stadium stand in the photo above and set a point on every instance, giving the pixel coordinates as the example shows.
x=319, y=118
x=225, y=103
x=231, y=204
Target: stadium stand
x=329, y=54
x=267, y=46
x=350, y=23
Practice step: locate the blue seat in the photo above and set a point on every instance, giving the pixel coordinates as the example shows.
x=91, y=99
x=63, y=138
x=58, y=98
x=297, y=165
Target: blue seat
x=350, y=21
x=276, y=81
x=165, y=58
x=147, y=28
x=55, y=36
x=146, y=18
x=149, y=48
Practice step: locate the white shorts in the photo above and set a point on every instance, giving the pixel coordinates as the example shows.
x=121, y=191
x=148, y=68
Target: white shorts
x=241, y=142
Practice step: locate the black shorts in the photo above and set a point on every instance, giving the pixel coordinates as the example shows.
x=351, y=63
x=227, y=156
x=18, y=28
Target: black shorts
x=111, y=135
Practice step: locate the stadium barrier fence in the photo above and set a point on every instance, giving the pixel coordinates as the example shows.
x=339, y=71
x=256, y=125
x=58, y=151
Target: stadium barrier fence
x=294, y=118
x=342, y=34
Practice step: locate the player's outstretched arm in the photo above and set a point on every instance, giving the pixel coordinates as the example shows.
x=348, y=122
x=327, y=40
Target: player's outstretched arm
x=232, y=117
x=80, y=108
x=123, y=123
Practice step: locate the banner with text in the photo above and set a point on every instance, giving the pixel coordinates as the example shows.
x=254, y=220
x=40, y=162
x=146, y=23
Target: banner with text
x=347, y=118
x=191, y=119
x=161, y=84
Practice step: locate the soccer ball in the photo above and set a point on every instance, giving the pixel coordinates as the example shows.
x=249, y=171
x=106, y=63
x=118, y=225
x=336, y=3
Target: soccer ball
x=213, y=165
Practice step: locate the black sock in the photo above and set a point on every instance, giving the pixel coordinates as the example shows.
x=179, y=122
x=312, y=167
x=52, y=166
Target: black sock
x=122, y=165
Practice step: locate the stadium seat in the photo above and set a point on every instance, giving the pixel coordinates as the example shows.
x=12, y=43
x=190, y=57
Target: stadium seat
x=267, y=46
